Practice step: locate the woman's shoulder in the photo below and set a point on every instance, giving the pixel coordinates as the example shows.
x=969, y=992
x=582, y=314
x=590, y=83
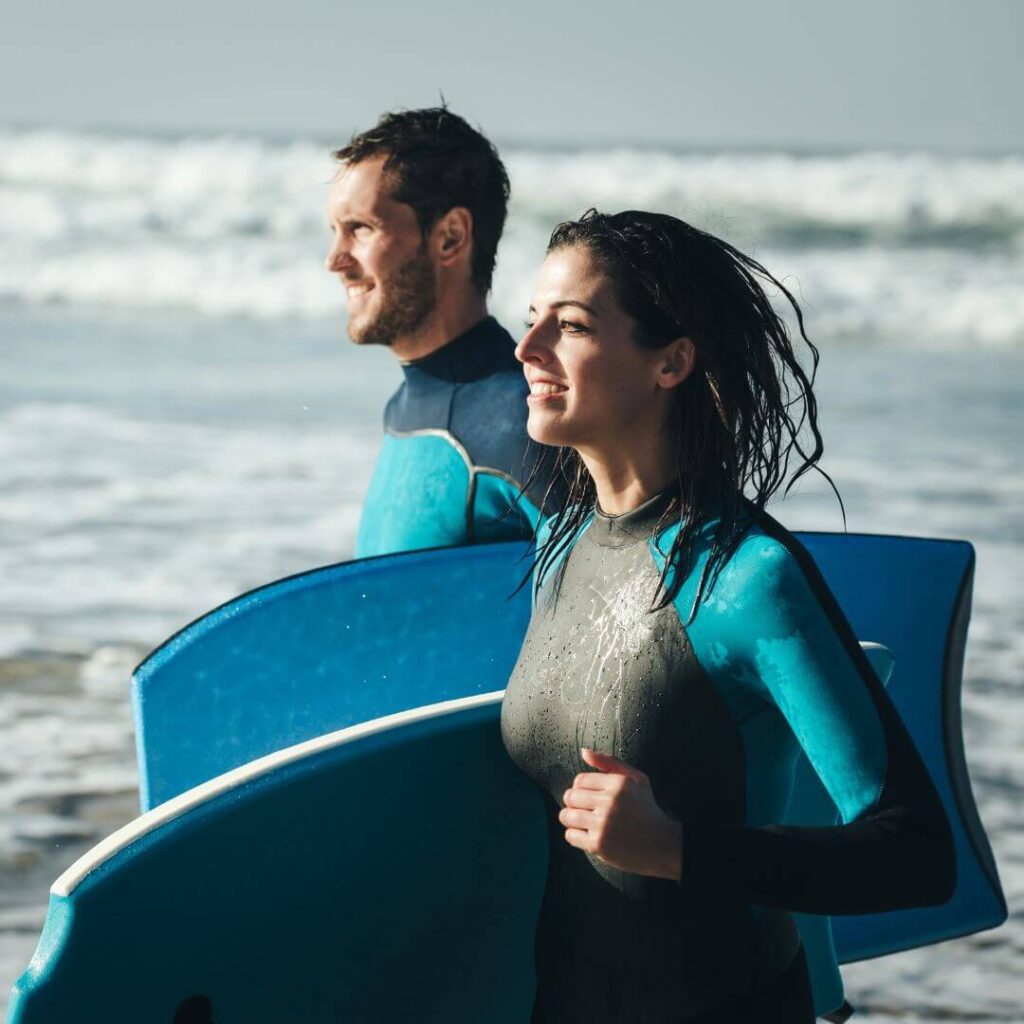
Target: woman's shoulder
x=767, y=557
x=548, y=523
x=768, y=563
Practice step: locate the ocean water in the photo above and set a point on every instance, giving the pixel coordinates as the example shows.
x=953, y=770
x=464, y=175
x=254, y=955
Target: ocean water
x=182, y=418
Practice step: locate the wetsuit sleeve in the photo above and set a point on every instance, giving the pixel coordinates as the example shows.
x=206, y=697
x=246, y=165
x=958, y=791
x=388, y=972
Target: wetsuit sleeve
x=777, y=626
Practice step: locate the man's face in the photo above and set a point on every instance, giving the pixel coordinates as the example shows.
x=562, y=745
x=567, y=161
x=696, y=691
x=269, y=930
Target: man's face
x=379, y=256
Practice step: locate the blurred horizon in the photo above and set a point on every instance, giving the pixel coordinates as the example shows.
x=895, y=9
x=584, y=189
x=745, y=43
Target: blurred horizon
x=279, y=136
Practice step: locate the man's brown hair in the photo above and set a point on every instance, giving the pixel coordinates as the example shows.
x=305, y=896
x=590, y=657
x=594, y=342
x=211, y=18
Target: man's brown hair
x=436, y=162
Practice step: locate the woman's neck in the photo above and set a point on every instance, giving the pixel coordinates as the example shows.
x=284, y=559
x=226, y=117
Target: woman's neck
x=626, y=479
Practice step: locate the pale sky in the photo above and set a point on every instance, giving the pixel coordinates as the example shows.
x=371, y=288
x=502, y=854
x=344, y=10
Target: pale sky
x=816, y=73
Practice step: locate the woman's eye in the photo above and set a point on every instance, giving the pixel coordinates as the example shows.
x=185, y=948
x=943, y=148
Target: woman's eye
x=572, y=327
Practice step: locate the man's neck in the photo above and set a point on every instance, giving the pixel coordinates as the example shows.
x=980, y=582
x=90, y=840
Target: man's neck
x=446, y=323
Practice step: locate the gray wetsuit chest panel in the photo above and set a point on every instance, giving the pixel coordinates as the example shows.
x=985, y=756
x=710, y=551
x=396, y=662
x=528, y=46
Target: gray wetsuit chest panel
x=599, y=669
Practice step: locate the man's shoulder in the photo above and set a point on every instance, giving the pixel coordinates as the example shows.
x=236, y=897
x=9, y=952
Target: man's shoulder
x=488, y=418
x=489, y=413
x=502, y=384
x=499, y=366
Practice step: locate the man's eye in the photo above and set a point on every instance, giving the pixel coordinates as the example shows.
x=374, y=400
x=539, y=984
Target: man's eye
x=528, y=324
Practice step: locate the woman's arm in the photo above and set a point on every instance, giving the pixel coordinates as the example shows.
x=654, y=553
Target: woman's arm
x=786, y=635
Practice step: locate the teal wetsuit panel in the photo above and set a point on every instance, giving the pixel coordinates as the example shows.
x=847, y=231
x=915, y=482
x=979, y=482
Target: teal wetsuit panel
x=770, y=628
x=761, y=633
x=498, y=511
x=760, y=610
x=418, y=496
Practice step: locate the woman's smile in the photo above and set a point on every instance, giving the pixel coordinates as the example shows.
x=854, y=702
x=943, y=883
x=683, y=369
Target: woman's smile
x=543, y=389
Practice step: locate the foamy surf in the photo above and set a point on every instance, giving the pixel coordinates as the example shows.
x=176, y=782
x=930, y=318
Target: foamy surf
x=903, y=248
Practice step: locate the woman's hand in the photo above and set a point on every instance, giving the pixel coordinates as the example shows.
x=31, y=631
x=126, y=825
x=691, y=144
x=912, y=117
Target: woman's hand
x=612, y=814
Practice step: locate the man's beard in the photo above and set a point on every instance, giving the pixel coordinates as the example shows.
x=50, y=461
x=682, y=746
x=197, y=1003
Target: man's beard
x=408, y=297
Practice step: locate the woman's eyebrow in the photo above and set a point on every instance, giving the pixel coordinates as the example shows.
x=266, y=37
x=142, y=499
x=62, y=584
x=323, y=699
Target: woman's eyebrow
x=574, y=302
x=568, y=302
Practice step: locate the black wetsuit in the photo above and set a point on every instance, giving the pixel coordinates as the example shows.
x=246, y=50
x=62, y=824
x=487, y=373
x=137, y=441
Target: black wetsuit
x=715, y=713
x=455, y=451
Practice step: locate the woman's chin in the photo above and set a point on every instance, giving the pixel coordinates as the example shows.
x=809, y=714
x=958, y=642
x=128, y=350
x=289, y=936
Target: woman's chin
x=545, y=429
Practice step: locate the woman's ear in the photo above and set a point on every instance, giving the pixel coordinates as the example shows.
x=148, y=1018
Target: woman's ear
x=677, y=361
x=453, y=236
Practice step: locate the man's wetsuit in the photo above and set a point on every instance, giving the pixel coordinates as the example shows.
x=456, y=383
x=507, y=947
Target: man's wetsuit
x=455, y=449
x=715, y=713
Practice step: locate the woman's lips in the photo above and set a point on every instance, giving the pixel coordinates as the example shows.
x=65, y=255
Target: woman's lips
x=545, y=390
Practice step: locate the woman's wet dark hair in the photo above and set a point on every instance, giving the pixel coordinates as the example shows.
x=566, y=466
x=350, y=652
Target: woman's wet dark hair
x=735, y=414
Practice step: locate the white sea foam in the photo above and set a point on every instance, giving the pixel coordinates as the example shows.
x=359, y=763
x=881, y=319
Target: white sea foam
x=125, y=526
x=901, y=247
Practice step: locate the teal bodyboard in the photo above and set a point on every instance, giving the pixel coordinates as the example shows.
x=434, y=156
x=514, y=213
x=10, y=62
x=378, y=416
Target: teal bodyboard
x=349, y=643
x=359, y=878
x=354, y=641
x=322, y=650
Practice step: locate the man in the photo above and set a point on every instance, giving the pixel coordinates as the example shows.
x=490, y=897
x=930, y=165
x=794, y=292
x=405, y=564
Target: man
x=417, y=209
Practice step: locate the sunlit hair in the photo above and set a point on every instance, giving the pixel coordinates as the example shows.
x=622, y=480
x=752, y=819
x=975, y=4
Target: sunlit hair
x=734, y=416
x=437, y=161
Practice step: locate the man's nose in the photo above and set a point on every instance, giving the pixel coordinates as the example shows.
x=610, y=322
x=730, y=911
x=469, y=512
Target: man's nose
x=338, y=258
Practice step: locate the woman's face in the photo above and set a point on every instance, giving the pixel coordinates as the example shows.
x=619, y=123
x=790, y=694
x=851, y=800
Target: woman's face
x=592, y=386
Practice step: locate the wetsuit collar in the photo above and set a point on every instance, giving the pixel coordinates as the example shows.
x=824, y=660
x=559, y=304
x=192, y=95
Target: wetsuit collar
x=638, y=524
x=482, y=350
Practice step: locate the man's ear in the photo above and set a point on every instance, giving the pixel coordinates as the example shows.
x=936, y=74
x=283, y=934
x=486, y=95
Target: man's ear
x=453, y=236
x=676, y=362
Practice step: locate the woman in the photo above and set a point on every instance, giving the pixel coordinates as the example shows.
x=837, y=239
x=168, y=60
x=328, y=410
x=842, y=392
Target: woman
x=684, y=648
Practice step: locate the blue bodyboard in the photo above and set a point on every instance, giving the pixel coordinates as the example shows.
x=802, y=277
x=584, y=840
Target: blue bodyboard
x=290, y=890
x=355, y=641
x=322, y=650
x=245, y=891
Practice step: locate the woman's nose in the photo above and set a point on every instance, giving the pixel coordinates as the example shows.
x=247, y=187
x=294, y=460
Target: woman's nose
x=531, y=347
